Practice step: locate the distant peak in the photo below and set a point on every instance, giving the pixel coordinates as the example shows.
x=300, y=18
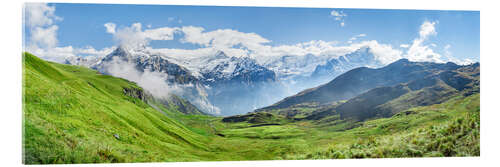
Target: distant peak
x=403, y=60
x=451, y=63
x=400, y=62
x=120, y=50
x=220, y=53
x=364, y=49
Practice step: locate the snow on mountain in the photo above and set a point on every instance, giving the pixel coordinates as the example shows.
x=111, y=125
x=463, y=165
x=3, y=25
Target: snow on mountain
x=233, y=84
x=294, y=65
x=359, y=58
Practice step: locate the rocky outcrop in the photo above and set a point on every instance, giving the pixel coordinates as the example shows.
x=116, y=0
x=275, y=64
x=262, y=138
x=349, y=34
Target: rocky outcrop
x=135, y=93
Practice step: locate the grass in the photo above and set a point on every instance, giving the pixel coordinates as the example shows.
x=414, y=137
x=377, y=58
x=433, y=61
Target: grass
x=72, y=115
x=447, y=129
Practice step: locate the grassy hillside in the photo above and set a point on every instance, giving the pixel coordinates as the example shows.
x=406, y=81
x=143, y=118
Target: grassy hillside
x=447, y=129
x=76, y=115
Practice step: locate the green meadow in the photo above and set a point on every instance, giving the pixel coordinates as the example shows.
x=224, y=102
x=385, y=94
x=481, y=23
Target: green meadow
x=73, y=114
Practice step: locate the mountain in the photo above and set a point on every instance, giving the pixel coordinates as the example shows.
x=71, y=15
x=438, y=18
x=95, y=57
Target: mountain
x=432, y=89
x=297, y=73
x=359, y=58
x=221, y=84
x=247, y=87
x=142, y=61
x=360, y=80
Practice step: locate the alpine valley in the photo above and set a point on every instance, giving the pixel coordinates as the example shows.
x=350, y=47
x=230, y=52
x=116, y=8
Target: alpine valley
x=221, y=84
x=106, y=109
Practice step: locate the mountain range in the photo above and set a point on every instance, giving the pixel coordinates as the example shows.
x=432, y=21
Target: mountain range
x=366, y=93
x=227, y=84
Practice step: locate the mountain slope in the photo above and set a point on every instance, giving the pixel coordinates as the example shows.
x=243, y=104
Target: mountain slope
x=76, y=115
x=433, y=89
x=359, y=80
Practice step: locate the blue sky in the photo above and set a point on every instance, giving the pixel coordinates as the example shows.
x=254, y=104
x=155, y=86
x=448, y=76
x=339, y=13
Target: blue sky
x=456, y=33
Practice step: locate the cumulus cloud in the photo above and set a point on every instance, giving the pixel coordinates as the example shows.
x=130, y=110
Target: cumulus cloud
x=427, y=29
x=419, y=51
x=339, y=16
x=39, y=14
x=40, y=19
x=134, y=36
x=110, y=28
x=384, y=53
x=44, y=37
x=222, y=38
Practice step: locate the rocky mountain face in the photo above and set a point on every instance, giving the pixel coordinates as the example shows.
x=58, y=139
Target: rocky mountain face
x=146, y=61
x=243, y=89
x=229, y=84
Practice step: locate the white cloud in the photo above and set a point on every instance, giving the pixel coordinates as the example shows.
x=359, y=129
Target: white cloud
x=419, y=51
x=356, y=37
x=447, y=51
x=222, y=38
x=91, y=51
x=236, y=43
x=156, y=83
x=61, y=54
x=39, y=14
x=134, y=36
x=165, y=33
x=339, y=16
x=404, y=45
x=153, y=82
x=40, y=20
x=383, y=52
x=44, y=37
x=449, y=56
x=427, y=29
x=39, y=17
x=110, y=28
